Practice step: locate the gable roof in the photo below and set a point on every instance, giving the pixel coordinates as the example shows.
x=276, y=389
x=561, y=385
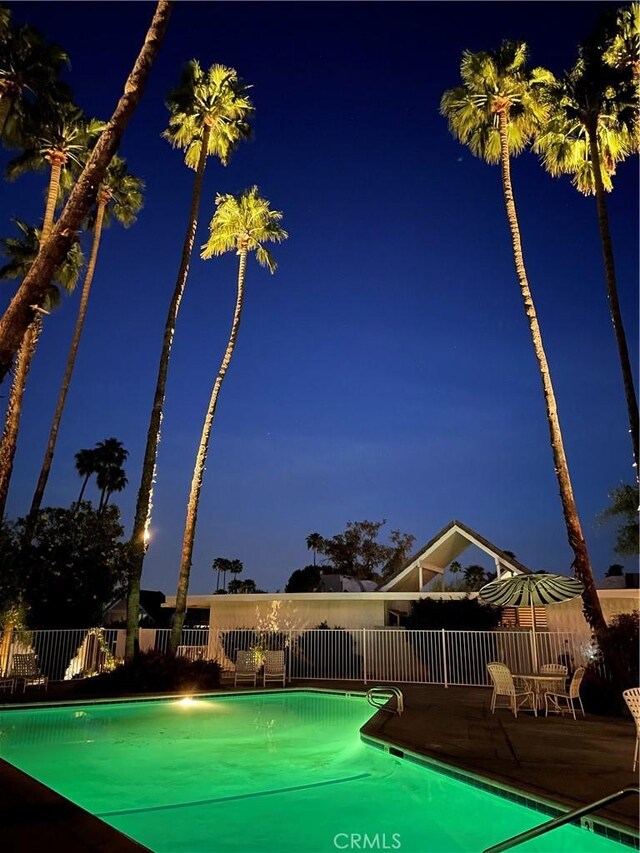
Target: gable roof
x=446, y=546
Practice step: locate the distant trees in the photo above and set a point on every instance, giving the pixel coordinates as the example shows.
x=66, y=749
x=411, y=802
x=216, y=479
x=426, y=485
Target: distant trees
x=105, y=461
x=222, y=565
x=624, y=506
x=304, y=580
x=73, y=567
x=357, y=553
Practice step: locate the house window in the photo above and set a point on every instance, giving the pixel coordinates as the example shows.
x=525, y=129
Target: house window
x=520, y=617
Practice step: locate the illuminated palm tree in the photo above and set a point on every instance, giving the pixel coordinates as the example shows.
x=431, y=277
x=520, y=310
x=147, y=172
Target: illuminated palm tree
x=20, y=312
x=119, y=197
x=209, y=117
x=29, y=69
x=21, y=252
x=593, y=126
x=496, y=111
x=241, y=224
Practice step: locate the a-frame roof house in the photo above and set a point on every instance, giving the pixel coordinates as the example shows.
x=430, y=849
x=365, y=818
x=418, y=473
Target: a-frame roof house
x=440, y=551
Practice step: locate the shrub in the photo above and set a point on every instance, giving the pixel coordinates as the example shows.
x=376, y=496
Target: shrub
x=464, y=614
x=602, y=694
x=153, y=672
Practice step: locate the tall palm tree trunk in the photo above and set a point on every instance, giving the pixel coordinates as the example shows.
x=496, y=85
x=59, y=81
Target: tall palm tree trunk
x=201, y=459
x=581, y=563
x=144, y=505
x=57, y=161
x=19, y=315
x=9, y=440
x=82, y=488
x=38, y=495
x=614, y=303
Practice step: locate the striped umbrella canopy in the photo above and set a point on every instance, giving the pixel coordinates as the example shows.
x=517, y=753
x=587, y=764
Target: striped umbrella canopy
x=530, y=590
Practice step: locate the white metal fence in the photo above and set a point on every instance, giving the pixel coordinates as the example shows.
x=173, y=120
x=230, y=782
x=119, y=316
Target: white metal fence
x=366, y=655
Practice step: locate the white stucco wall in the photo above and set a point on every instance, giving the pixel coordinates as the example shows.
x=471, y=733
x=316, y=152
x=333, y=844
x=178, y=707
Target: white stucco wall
x=569, y=616
x=296, y=615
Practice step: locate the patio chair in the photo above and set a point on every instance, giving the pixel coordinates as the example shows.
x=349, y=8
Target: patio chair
x=560, y=702
x=558, y=669
x=553, y=669
x=246, y=667
x=274, y=668
x=25, y=669
x=503, y=685
x=632, y=698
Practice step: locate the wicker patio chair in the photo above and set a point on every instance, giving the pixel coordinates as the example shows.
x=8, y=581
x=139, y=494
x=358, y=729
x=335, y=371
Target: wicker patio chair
x=554, y=669
x=274, y=667
x=560, y=702
x=632, y=698
x=25, y=669
x=504, y=686
x=246, y=667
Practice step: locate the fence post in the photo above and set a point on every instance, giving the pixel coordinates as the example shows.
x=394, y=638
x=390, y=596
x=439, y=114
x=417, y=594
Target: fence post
x=290, y=656
x=445, y=673
x=364, y=655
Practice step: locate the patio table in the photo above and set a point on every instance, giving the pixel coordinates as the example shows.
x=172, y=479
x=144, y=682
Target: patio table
x=540, y=684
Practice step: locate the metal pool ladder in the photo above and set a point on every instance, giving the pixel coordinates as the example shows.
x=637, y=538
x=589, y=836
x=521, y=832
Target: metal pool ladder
x=379, y=696
x=562, y=819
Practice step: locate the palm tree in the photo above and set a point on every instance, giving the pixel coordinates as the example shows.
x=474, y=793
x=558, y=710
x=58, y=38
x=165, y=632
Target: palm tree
x=623, y=49
x=86, y=466
x=242, y=224
x=592, y=127
x=220, y=565
x=314, y=541
x=109, y=480
x=495, y=112
x=209, y=117
x=120, y=197
x=19, y=315
x=110, y=477
x=55, y=137
x=235, y=568
x=29, y=70
x=21, y=253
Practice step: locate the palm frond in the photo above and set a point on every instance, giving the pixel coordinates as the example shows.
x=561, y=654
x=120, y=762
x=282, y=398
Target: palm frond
x=245, y=221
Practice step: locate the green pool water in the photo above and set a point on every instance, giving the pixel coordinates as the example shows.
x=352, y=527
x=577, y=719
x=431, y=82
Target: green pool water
x=265, y=773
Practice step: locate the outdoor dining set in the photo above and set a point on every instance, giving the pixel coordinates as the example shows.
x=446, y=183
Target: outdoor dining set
x=534, y=691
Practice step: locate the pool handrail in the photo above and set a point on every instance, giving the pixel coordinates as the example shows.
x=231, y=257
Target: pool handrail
x=386, y=693
x=561, y=820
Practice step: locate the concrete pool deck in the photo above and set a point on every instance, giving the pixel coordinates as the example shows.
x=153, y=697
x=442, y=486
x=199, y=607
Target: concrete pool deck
x=555, y=759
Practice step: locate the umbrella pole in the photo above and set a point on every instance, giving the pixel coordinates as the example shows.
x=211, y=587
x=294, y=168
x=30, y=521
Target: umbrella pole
x=534, y=645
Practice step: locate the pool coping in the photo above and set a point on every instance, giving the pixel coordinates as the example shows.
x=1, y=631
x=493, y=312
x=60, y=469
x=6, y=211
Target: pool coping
x=601, y=826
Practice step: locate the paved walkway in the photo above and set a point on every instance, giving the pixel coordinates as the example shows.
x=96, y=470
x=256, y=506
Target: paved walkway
x=556, y=758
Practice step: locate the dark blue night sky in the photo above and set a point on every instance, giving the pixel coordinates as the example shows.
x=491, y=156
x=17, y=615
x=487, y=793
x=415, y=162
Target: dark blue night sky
x=386, y=370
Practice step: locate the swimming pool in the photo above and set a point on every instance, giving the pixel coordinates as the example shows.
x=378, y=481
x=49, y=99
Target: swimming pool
x=261, y=773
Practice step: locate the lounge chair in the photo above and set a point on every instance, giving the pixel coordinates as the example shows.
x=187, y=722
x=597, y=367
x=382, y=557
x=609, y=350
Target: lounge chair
x=503, y=685
x=563, y=701
x=25, y=669
x=274, y=667
x=632, y=698
x=246, y=667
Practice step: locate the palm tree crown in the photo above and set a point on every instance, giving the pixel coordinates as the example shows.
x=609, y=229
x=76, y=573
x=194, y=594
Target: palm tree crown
x=29, y=69
x=591, y=98
x=122, y=192
x=217, y=99
x=21, y=252
x=495, y=82
x=244, y=223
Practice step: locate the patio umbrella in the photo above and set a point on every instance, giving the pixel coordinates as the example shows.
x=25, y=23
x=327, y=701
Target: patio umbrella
x=531, y=591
